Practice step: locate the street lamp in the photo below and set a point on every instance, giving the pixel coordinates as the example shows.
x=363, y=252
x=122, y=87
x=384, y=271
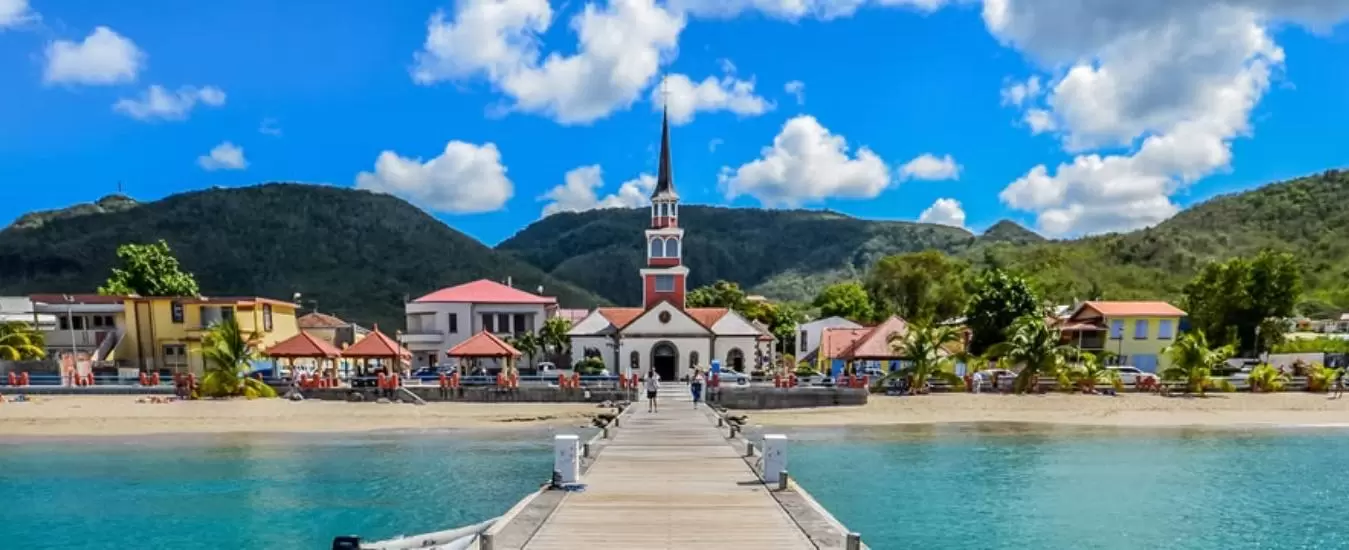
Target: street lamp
x=70, y=329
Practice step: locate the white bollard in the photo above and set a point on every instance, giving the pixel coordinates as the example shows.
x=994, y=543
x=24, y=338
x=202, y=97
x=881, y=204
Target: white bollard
x=566, y=460
x=774, y=456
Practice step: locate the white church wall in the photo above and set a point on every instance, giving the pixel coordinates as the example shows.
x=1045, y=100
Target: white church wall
x=744, y=343
x=732, y=324
x=685, y=347
x=679, y=324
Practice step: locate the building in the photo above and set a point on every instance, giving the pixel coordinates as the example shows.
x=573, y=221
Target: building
x=19, y=309
x=331, y=329
x=865, y=348
x=808, y=337
x=443, y=319
x=155, y=333
x=1135, y=332
x=663, y=335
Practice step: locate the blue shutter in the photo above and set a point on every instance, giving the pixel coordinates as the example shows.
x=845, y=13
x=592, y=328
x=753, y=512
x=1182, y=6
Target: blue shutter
x=1141, y=329
x=1116, y=329
x=1164, y=329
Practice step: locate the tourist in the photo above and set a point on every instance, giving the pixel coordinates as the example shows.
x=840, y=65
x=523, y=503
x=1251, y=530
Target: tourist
x=696, y=383
x=652, y=386
x=977, y=381
x=1339, y=383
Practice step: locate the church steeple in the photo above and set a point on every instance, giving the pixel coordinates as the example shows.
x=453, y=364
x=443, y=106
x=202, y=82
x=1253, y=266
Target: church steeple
x=665, y=174
x=664, y=276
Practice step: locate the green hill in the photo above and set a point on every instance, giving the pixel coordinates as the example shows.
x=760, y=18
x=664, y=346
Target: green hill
x=357, y=253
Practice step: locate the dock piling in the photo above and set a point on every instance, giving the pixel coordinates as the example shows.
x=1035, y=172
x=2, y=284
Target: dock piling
x=749, y=448
x=784, y=480
x=585, y=450
x=854, y=542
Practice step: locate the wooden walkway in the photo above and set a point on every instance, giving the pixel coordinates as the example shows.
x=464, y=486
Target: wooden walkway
x=669, y=480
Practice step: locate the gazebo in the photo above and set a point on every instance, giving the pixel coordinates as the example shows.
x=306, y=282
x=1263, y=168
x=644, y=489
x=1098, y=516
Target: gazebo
x=484, y=345
x=379, y=347
x=305, y=346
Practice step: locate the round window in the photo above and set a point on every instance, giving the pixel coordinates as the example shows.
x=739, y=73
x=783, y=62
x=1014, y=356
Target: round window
x=664, y=317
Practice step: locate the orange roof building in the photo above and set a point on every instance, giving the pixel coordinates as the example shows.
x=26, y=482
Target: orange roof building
x=376, y=345
x=303, y=345
x=484, y=344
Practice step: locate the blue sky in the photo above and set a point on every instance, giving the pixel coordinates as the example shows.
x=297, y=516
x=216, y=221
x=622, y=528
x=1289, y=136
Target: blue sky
x=907, y=109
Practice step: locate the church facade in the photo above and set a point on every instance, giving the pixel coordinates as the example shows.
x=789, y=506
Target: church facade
x=663, y=335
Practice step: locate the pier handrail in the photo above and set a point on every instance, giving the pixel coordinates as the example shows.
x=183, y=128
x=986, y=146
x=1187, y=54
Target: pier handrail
x=431, y=540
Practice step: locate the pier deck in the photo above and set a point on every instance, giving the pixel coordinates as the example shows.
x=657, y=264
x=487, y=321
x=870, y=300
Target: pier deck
x=667, y=480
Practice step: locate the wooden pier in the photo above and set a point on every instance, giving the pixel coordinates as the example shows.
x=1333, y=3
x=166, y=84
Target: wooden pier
x=669, y=480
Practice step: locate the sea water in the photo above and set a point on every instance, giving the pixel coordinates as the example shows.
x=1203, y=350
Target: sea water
x=1003, y=486
x=254, y=491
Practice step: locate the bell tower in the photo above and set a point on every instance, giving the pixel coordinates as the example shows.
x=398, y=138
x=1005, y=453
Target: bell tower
x=664, y=277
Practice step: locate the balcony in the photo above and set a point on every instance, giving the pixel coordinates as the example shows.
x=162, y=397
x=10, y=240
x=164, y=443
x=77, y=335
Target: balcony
x=424, y=336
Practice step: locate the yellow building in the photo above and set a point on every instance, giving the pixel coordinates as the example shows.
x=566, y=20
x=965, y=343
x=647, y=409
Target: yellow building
x=156, y=333
x=1136, y=332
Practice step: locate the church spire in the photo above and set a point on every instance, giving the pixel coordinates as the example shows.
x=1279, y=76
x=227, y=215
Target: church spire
x=665, y=175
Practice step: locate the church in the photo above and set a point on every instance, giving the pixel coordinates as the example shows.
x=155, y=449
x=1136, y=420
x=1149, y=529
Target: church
x=664, y=335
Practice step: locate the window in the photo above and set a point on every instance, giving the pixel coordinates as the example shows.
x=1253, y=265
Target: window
x=175, y=354
x=267, y=317
x=1141, y=329
x=487, y=322
x=108, y=321
x=64, y=321
x=176, y=312
x=1164, y=329
x=672, y=247
x=693, y=359
x=503, y=322
x=521, y=326
x=454, y=322
x=1117, y=329
x=665, y=283
x=97, y=320
x=635, y=361
x=657, y=248
x=78, y=323
x=226, y=313
x=804, y=344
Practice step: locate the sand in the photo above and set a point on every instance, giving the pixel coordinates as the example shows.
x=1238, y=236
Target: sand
x=64, y=416
x=1144, y=410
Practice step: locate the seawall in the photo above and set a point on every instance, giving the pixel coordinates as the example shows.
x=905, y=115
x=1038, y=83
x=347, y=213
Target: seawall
x=763, y=397
x=524, y=394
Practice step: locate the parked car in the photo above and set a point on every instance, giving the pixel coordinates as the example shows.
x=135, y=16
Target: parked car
x=873, y=371
x=1131, y=375
x=733, y=377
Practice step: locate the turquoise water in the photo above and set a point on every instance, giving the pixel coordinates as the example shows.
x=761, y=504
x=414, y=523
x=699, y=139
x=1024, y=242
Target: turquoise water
x=259, y=491
x=1007, y=486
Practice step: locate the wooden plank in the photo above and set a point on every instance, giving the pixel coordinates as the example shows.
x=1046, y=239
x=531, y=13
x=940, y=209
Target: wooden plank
x=669, y=480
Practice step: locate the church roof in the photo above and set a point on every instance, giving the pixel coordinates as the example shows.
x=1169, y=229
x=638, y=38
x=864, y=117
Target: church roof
x=707, y=316
x=619, y=317
x=665, y=173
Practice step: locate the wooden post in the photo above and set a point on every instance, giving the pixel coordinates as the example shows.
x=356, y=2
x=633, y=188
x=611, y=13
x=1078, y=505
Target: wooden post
x=854, y=542
x=749, y=448
x=784, y=480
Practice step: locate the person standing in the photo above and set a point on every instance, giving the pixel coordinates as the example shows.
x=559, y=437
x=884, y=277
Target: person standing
x=652, y=385
x=1339, y=383
x=696, y=384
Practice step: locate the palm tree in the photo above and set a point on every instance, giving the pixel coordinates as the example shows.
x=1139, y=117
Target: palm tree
x=1035, y=347
x=1090, y=371
x=1192, y=361
x=1320, y=378
x=925, y=348
x=19, y=342
x=528, y=344
x=1266, y=378
x=227, y=353
x=553, y=339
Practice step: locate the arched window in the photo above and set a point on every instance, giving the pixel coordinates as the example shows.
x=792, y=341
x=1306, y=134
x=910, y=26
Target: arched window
x=657, y=248
x=636, y=361
x=693, y=359
x=672, y=247
x=735, y=360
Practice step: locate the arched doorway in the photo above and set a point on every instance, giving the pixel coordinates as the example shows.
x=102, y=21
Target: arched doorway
x=665, y=360
x=735, y=360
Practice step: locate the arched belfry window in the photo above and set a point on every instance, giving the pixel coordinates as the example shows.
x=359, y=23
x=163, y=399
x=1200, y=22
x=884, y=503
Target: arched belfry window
x=672, y=247
x=657, y=248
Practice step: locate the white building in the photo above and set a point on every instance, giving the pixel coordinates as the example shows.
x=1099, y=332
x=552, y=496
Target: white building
x=444, y=318
x=808, y=337
x=663, y=334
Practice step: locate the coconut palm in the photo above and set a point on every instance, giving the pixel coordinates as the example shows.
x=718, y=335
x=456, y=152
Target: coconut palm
x=19, y=342
x=528, y=344
x=926, y=351
x=1192, y=361
x=1089, y=372
x=1266, y=378
x=227, y=352
x=1036, y=348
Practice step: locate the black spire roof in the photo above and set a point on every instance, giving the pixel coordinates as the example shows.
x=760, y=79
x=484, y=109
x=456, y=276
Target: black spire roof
x=665, y=175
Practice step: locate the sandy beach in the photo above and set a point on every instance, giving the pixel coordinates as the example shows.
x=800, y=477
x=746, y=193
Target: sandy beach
x=64, y=416
x=1216, y=410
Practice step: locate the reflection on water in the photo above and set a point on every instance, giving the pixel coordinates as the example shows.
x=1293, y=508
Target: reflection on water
x=256, y=491
x=1009, y=485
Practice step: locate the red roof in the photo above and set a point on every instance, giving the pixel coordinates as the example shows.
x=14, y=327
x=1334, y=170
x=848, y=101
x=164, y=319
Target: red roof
x=1132, y=309
x=303, y=345
x=320, y=320
x=707, y=316
x=484, y=291
x=483, y=344
x=835, y=342
x=376, y=345
x=619, y=317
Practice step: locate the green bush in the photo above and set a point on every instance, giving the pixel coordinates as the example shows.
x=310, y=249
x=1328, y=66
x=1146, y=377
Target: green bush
x=590, y=366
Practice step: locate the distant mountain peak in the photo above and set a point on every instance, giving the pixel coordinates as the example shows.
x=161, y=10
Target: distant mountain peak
x=115, y=202
x=1008, y=231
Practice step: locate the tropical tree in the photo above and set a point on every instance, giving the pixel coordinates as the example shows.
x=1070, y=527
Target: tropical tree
x=553, y=339
x=1192, y=361
x=1321, y=377
x=926, y=350
x=148, y=270
x=998, y=301
x=227, y=351
x=528, y=344
x=848, y=300
x=921, y=286
x=1034, y=346
x=1236, y=301
x=1266, y=378
x=719, y=294
x=1089, y=371
x=19, y=342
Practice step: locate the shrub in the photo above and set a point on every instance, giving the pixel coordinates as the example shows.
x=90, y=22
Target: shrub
x=590, y=366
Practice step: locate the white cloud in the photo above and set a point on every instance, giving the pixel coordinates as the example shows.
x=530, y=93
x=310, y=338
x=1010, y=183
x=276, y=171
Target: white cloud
x=1173, y=83
x=1017, y=93
x=798, y=90
x=795, y=9
x=685, y=98
x=712, y=145
x=930, y=167
x=620, y=50
x=269, y=127
x=156, y=102
x=578, y=192
x=14, y=13
x=944, y=212
x=465, y=178
x=226, y=156
x=807, y=163
x=104, y=57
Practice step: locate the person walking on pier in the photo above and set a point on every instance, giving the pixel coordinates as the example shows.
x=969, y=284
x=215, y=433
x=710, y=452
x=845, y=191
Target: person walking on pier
x=652, y=384
x=696, y=384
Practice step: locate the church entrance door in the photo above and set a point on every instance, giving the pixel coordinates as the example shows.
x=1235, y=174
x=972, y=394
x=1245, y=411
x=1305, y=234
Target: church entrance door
x=665, y=359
